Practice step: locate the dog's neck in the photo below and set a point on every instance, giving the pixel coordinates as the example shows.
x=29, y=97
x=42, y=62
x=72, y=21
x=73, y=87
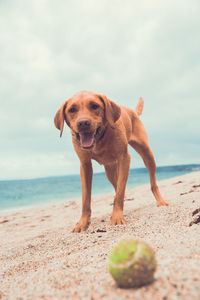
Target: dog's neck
x=102, y=134
x=105, y=129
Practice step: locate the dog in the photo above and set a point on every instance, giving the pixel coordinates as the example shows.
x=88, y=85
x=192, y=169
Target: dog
x=102, y=130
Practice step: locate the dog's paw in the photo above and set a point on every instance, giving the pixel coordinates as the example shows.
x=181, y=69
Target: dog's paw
x=82, y=225
x=117, y=219
x=163, y=203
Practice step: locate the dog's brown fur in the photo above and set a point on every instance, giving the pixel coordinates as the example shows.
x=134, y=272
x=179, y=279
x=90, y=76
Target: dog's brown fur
x=102, y=130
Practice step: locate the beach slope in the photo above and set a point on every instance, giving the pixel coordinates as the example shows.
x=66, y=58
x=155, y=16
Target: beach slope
x=41, y=259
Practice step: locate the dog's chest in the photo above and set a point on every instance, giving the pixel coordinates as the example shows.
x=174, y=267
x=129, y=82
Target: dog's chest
x=105, y=157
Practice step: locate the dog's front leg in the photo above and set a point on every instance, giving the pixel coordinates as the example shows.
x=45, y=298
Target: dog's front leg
x=123, y=167
x=86, y=173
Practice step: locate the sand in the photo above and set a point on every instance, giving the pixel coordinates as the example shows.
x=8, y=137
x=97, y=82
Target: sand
x=41, y=259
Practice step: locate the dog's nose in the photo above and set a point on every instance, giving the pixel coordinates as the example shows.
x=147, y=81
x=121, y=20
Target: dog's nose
x=83, y=124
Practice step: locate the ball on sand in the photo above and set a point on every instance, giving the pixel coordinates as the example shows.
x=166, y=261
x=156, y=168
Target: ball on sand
x=132, y=264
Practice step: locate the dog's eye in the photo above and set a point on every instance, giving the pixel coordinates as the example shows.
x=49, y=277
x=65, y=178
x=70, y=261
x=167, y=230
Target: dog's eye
x=94, y=106
x=72, y=110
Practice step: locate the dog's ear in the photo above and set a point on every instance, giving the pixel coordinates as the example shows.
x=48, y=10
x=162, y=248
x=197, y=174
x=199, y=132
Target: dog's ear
x=112, y=110
x=60, y=118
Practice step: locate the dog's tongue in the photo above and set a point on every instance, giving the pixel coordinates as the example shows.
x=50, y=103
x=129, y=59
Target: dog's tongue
x=86, y=139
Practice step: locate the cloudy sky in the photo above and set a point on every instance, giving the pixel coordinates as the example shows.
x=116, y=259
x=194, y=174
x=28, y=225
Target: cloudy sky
x=50, y=50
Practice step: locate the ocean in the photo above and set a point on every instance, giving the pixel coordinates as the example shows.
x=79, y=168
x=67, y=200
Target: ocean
x=16, y=194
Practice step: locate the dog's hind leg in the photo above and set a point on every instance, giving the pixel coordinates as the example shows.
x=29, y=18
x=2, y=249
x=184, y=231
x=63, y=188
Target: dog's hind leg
x=112, y=174
x=139, y=142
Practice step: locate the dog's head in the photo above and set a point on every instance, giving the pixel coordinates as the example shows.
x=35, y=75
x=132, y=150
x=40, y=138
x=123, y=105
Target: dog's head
x=87, y=114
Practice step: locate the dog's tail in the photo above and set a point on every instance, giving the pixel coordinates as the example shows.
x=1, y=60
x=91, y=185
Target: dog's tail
x=139, y=107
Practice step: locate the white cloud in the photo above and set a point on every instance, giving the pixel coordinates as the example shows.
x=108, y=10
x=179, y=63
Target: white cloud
x=37, y=165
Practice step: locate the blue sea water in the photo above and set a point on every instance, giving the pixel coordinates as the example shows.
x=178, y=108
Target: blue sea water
x=23, y=193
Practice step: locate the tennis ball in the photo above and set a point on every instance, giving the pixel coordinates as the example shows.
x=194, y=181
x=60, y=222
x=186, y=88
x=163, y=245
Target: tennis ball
x=132, y=263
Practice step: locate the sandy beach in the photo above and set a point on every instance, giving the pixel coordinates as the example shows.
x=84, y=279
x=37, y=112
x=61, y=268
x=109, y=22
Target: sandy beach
x=41, y=259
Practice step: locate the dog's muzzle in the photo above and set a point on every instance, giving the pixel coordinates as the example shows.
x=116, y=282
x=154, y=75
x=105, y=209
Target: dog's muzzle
x=88, y=139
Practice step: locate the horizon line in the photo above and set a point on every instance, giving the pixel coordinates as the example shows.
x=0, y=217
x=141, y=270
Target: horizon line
x=102, y=172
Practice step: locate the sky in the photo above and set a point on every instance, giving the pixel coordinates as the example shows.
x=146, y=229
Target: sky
x=50, y=50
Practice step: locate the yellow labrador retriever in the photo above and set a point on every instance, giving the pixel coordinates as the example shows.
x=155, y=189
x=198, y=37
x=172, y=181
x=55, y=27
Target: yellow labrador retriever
x=102, y=130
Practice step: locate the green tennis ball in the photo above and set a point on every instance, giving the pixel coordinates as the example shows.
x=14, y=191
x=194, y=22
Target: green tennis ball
x=132, y=264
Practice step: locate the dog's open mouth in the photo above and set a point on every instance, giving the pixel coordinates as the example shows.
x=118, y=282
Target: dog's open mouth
x=88, y=139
